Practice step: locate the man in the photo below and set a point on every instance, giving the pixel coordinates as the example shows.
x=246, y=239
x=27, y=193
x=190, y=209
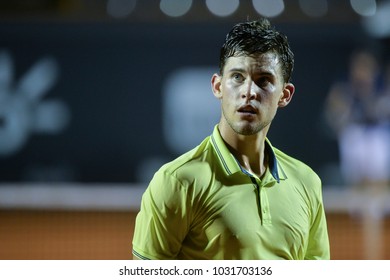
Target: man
x=235, y=196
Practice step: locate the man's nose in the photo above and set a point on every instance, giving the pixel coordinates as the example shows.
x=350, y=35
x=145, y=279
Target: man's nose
x=250, y=92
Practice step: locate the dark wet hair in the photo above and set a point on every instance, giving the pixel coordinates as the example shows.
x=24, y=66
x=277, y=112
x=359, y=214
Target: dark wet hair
x=256, y=37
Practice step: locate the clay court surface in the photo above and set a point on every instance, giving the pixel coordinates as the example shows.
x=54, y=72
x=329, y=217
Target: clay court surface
x=96, y=235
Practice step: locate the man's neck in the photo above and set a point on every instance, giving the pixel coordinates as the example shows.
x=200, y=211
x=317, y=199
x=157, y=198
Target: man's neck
x=247, y=149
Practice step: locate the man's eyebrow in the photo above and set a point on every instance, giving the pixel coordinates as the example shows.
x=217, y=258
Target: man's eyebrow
x=265, y=72
x=259, y=70
x=236, y=70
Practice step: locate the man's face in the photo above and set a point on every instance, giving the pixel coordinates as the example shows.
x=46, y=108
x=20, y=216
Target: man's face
x=251, y=90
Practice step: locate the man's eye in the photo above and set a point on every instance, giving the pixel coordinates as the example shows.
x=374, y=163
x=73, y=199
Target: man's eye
x=238, y=77
x=262, y=82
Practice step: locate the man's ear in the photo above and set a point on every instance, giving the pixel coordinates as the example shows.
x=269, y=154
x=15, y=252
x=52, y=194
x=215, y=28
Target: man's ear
x=288, y=92
x=216, y=85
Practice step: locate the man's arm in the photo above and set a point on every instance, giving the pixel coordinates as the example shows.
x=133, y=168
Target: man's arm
x=318, y=247
x=162, y=223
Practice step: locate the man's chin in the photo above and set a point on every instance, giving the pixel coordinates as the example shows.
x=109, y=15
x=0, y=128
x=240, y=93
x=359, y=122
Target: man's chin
x=246, y=130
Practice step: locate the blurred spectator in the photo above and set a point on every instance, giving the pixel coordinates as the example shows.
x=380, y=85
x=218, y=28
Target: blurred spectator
x=383, y=105
x=356, y=112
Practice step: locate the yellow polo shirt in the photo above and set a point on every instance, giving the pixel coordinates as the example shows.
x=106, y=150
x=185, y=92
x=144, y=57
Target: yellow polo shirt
x=204, y=205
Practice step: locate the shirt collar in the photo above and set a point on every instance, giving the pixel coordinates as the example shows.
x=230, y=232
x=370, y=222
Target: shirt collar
x=230, y=164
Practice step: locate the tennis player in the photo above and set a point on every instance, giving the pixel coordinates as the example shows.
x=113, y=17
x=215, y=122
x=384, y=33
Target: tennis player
x=235, y=196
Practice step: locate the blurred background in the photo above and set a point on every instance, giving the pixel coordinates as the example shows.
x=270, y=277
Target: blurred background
x=96, y=94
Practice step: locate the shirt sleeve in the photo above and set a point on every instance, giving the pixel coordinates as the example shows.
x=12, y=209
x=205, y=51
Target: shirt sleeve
x=318, y=246
x=162, y=223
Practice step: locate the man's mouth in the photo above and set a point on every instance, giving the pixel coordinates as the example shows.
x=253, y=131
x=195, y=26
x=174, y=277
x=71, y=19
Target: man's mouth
x=247, y=109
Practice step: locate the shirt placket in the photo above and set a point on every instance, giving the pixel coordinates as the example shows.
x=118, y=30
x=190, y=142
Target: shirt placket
x=264, y=209
x=264, y=203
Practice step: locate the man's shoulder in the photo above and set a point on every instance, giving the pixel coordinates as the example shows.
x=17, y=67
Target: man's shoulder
x=295, y=166
x=300, y=176
x=195, y=162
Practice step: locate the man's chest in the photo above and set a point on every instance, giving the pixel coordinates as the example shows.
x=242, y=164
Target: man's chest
x=255, y=219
